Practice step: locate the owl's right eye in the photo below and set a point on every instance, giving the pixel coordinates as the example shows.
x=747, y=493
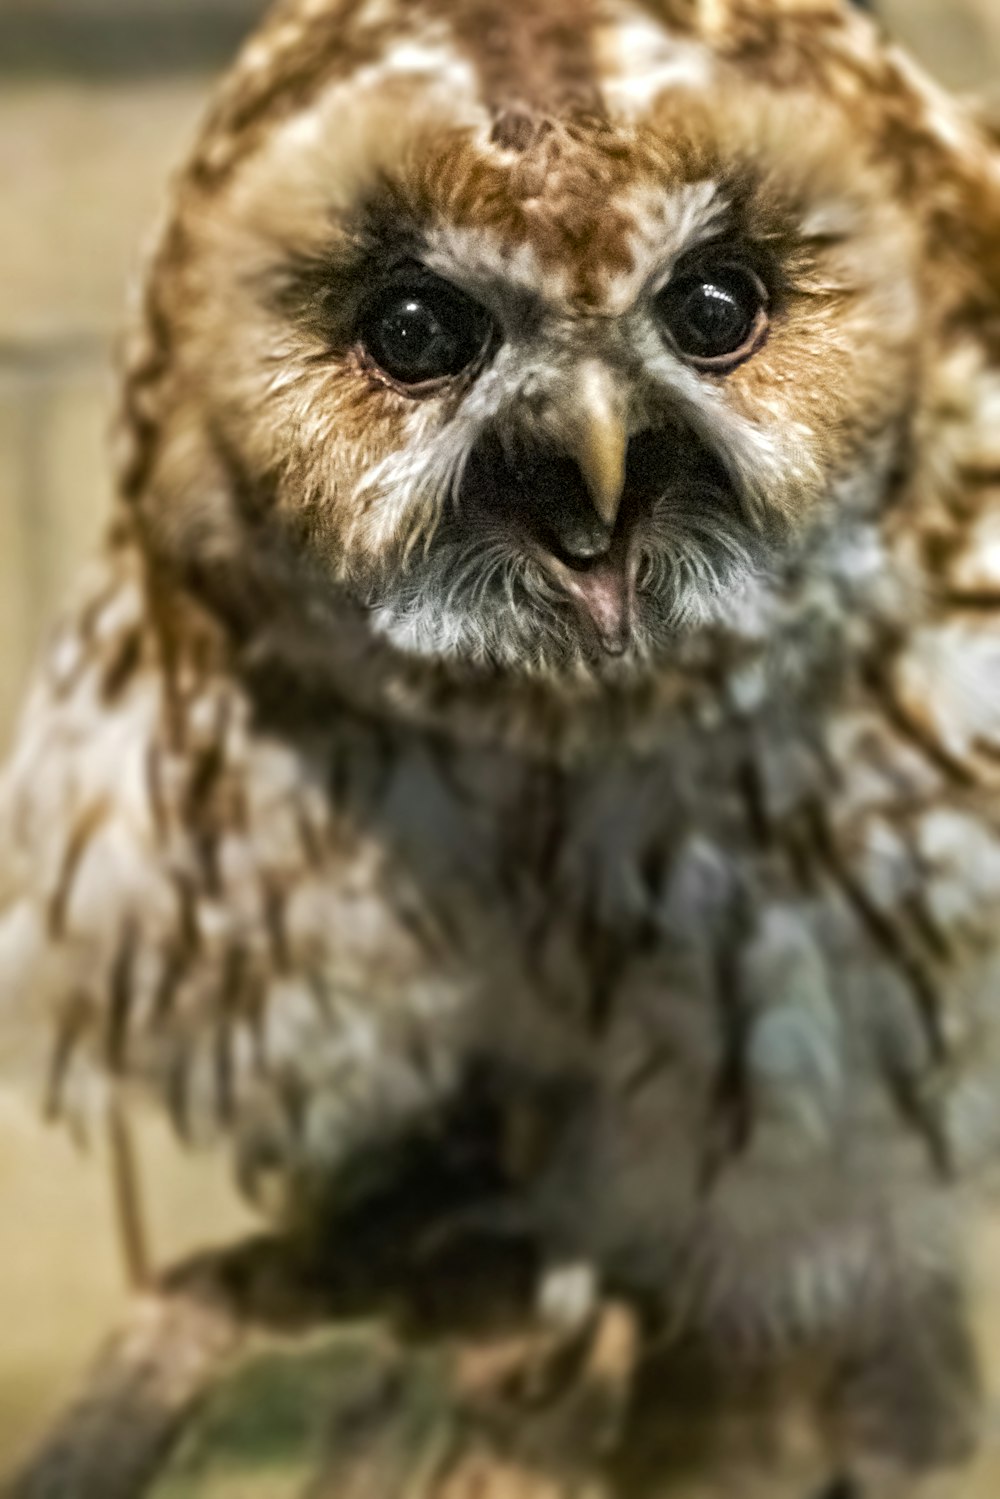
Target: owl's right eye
x=423, y=332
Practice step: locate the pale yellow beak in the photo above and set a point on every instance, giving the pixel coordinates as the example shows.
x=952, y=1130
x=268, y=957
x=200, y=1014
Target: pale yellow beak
x=598, y=439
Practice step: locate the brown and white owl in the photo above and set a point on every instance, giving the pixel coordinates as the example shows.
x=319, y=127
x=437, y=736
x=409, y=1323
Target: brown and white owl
x=547, y=662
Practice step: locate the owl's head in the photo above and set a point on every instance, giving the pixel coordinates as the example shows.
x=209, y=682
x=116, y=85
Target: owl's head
x=550, y=333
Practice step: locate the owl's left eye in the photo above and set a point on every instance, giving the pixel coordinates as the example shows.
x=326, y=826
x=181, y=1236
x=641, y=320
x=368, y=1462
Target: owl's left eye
x=422, y=332
x=715, y=315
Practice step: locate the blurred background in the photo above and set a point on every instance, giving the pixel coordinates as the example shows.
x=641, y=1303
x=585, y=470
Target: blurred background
x=97, y=101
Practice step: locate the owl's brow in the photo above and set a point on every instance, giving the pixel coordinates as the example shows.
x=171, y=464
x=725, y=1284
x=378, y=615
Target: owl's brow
x=536, y=61
x=533, y=60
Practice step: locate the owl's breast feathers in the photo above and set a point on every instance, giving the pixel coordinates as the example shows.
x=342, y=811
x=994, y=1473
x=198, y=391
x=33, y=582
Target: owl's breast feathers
x=743, y=909
x=764, y=952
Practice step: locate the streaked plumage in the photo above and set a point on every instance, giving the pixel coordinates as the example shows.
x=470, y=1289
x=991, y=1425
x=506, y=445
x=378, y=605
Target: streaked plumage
x=612, y=722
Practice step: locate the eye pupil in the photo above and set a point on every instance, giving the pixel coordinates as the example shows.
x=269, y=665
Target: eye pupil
x=422, y=334
x=714, y=319
x=714, y=316
x=413, y=333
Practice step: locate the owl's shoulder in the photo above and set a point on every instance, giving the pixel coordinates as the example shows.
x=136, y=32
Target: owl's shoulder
x=184, y=896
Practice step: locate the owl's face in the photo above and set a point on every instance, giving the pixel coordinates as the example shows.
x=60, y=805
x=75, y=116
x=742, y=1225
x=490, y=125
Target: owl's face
x=546, y=369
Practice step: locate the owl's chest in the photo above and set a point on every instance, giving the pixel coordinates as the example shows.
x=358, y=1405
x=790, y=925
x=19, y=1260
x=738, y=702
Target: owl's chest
x=757, y=911
x=585, y=881
x=590, y=875
x=797, y=919
x=426, y=892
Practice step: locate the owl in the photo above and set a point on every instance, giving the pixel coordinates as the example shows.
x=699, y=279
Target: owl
x=538, y=712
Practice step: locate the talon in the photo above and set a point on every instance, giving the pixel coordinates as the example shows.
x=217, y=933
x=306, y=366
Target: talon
x=590, y=1414
x=614, y=1357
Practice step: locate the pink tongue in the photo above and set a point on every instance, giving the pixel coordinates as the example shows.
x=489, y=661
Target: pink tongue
x=601, y=591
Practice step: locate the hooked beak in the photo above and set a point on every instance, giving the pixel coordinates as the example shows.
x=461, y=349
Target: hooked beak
x=597, y=440
x=592, y=559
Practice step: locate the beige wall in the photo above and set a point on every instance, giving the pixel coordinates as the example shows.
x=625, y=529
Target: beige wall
x=82, y=160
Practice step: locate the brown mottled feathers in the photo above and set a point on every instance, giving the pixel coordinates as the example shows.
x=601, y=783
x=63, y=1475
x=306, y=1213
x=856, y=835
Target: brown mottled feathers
x=594, y=741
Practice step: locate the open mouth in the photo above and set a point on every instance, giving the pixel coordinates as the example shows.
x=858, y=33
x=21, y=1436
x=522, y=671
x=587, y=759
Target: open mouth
x=602, y=588
x=541, y=499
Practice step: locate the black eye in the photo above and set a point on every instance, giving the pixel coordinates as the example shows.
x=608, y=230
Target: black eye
x=423, y=331
x=716, y=315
